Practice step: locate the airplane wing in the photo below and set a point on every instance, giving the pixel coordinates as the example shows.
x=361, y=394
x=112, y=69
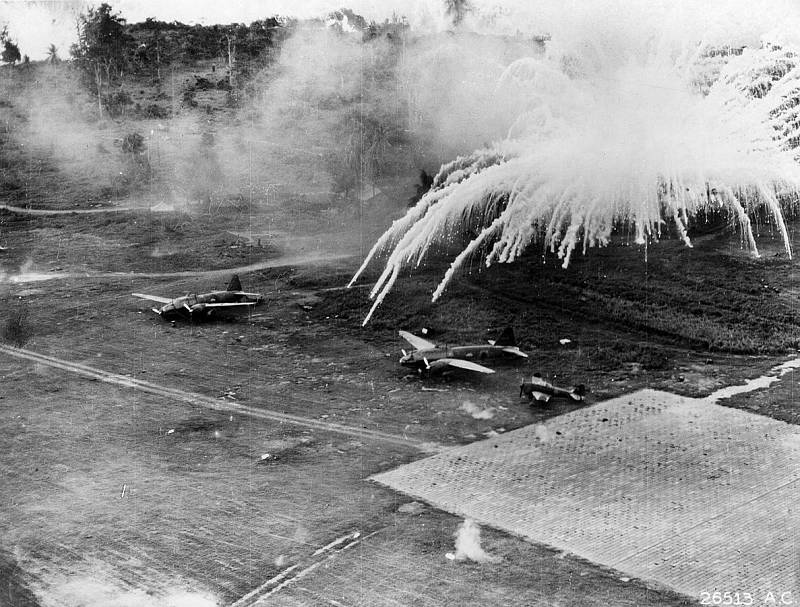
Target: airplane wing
x=163, y=300
x=230, y=304
x=417, y=342
x=515, y=350
x=246, y=294
x=465, y=364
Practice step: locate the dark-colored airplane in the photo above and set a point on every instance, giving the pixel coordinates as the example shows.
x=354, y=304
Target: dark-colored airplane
x=202, y=306
x=541, y=390
x=428, y=356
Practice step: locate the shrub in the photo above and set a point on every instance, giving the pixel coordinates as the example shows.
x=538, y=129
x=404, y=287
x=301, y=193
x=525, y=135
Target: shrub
x=343, y=174
x=233, y=98
x=116, y=103
x=155, y=111
x=133, y=143
x=136, y=171
x=188, y=98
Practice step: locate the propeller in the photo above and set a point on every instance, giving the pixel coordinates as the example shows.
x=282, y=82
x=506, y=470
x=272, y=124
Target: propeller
x=156, y=310
x=427, y=364
x=405, y=354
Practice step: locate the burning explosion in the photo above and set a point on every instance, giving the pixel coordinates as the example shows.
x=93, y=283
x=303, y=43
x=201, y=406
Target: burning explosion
x=638, y=118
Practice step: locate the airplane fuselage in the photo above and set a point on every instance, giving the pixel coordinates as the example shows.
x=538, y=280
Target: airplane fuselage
x=194, y=305
x=541, y=390
x=427, y=357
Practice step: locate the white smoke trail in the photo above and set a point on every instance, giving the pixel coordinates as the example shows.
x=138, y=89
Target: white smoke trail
x=622, y=121
x=468, y=544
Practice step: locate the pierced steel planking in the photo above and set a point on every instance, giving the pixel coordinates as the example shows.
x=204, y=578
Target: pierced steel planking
x=679, y=491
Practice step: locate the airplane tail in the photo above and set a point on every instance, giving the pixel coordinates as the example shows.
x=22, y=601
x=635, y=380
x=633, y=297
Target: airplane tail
x=578, y=392
x=506, y=338
x=234, y=284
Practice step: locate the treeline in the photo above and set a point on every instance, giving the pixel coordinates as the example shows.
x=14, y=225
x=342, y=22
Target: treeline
x=109, y=49
x=158, y=43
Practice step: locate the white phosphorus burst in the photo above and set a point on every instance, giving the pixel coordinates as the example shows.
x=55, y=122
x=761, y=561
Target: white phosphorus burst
x=647, y=135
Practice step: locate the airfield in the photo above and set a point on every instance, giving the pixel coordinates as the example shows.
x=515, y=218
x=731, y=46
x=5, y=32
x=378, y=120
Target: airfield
x=287, y=458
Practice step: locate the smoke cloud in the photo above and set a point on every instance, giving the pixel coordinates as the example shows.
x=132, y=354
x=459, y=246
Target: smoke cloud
x=468, y=544
x=638, y=114
x=629, y=112
x=415, y=103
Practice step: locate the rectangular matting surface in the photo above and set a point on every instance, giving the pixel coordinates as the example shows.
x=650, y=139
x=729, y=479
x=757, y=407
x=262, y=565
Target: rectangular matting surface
x=680, y=491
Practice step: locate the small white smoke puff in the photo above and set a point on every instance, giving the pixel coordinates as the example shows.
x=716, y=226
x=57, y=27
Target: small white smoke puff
x=541, y=432
x=477, y=411
x=468, y=544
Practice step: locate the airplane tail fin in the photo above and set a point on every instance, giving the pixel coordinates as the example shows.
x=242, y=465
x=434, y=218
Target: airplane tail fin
x=506, y=338
x=234, y=284
x=578, y=392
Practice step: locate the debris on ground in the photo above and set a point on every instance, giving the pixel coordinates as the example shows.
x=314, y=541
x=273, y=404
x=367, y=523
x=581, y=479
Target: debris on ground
x=412, y=508
x=230, y=393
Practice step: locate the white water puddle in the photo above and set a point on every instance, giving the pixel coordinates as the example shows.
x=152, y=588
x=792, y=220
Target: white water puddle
x=750, y=385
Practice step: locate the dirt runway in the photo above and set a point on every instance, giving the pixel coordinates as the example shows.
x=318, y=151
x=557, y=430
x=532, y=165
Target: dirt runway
x=224, y=405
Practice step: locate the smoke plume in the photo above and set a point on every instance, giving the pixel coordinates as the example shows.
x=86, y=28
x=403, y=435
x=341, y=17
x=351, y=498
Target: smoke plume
x=634, y=115
x=468, y=544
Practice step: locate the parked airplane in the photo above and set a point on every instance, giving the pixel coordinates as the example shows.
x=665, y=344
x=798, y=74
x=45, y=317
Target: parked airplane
x=203, y=305
x=542, y=390
x=428, y=356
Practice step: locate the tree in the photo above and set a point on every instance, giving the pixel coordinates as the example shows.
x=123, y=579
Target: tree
x=457, y=9
x=10, y=53
x=231, y=43
x=52, y=55
x=103, y=47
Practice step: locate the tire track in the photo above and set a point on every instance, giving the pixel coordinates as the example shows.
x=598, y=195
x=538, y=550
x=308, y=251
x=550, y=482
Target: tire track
x=278, y=262
x=92, y=211
x=260, y=596
x=216, y=404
